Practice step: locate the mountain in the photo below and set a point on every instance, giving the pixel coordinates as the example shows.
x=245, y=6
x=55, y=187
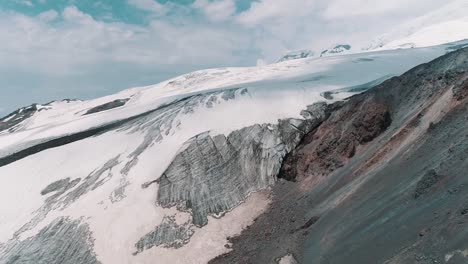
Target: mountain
x=444, y=25
x=382, y=179
x=337, y=49
x=297, y=160
x=294, y=55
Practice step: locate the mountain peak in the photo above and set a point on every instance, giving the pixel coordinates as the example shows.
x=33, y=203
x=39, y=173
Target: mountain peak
x=337, y=49
x=294, y=55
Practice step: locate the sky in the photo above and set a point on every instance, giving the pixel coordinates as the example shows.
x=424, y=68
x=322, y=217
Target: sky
x=57, y=49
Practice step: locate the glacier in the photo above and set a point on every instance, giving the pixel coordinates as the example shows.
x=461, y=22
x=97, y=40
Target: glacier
x=168, y=171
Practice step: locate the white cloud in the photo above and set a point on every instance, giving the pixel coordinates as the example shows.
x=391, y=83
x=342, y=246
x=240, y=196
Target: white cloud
x=48, y=16
x=68, y=49
x=265, y=10
x=24, y=2
x=70, y=44
x=348, y=8
x=218, y=10
x=148, y=5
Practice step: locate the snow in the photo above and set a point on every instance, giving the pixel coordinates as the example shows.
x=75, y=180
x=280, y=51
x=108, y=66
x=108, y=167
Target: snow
x=294, y=55
x=444, y=25
x=63, y=118
x=275, y=91
x=336, y=49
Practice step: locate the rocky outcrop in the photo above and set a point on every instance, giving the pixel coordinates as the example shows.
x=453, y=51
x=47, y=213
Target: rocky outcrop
x=294, y=55
x=335, y=141
x=107, y=106
x=213, y=174
x=60, y=186
x=424, y=185
x=337, y=49
x=10, y=121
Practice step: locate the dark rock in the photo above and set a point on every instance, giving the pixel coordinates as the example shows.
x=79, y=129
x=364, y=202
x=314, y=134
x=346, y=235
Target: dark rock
x=336, y=140
x=61, y=185
x=310, y=222
x=424, y=185
x=13, y=119
x=107, y=106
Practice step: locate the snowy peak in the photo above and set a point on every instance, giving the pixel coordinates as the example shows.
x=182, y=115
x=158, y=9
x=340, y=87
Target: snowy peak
x=447, y=24
x=294, y=55
x=337, y=49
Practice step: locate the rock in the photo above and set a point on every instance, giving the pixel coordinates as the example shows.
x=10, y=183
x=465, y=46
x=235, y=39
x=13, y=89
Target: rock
x=423, y=186
x=337, y=49
x=294, y=55
x=10, y=121
x=335, y=141
x=107, y=106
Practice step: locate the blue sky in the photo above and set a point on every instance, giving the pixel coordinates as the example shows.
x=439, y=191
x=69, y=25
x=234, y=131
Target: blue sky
x=54, y=49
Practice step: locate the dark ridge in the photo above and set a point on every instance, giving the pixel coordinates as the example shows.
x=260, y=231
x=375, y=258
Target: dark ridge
x=424, y=185
x=61, y=141
x=107, y=106
x=16, y=117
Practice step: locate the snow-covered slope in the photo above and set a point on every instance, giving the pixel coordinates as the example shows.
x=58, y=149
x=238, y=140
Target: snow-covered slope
x=444, y=25
x=336, y=50
x=294, y=55
x=125, y=178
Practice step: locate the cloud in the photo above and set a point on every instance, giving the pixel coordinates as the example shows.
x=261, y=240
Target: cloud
x=265, y=10
x=48, y=16
x=69, y=53
x=218, y=10
x=75, y=40
x=148, y=5
x=24, y=2
x=349, y=8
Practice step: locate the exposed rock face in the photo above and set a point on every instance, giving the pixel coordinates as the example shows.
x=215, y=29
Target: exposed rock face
x=337, y=49
x=296, y=55
x=10, y=121
x=429, y=179
x=212, y=175
x=63, y=241
x=107, y=106
x=334, y=142
x=358, y=175
x=60, y=186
